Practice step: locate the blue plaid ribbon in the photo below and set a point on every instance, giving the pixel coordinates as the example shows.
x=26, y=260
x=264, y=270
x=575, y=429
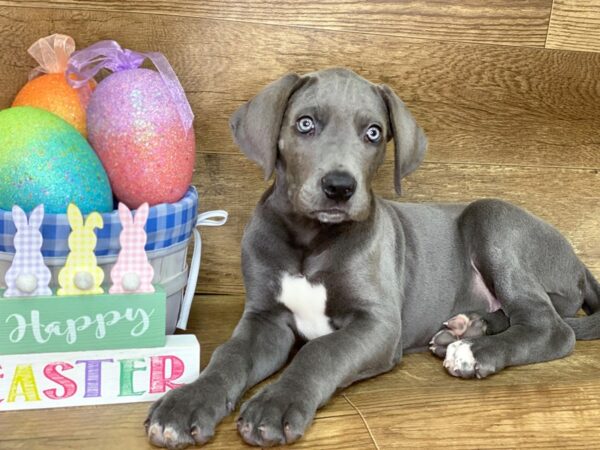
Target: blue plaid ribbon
x=167, y=225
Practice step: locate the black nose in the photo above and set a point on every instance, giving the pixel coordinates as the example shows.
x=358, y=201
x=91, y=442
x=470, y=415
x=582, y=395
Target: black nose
x=338, y=185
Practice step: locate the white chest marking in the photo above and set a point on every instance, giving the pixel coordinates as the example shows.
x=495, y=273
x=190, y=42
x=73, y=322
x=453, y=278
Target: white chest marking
x=307, y=303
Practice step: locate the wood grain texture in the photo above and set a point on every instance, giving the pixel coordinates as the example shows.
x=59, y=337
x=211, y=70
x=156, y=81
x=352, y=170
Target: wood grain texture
x=212, y=320
x=516, y=123
x=416, y=405
x=120, y=426
x=481, y=104
x=554, y=409
x=521, y=124
x=567, y=198
x=127, y=432
x=575, y=25
x=505, y=22
x=547, y=405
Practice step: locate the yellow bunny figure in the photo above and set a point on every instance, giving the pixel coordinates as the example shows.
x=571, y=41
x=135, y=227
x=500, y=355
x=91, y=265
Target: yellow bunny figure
x=81, y=274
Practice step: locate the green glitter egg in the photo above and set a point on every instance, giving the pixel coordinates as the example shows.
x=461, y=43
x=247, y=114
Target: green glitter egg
x=45, y=160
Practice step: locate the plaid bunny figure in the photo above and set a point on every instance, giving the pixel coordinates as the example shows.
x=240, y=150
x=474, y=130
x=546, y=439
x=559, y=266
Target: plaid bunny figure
x=81, y=274
x=28, y=275
x=132, y=271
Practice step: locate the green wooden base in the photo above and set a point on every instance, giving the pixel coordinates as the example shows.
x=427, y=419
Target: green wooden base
x=80, y=323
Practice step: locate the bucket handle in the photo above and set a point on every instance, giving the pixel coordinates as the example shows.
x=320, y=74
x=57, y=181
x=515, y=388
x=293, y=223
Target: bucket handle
x=206, y=219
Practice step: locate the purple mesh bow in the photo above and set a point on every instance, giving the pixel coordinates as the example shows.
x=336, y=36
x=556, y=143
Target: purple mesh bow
x=85, y=64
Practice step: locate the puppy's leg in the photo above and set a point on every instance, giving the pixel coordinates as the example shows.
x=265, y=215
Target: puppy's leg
x=536, y=332
x=281, y=412
x=188, y=415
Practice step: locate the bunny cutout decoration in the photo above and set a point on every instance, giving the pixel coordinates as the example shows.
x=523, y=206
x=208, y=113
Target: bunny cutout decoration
x=28, y=275
x=132, y=271
x=81, y=274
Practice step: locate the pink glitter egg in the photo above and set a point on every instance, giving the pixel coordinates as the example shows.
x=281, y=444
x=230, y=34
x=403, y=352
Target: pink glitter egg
x=134, y=126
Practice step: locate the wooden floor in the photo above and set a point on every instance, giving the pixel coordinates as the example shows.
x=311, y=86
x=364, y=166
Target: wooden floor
x=509, y=94
x=417, y=405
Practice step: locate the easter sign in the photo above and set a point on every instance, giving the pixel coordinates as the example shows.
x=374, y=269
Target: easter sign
x=53, y=380
x=59, y=324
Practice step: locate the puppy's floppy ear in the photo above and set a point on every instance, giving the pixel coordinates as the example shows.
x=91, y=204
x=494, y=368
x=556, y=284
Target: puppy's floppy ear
x=256, y=124
x=410, y=142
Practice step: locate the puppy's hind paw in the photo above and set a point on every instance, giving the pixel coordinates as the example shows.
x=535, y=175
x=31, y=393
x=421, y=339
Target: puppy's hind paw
x=456, y=328
x=440, y=342
x=460, y=361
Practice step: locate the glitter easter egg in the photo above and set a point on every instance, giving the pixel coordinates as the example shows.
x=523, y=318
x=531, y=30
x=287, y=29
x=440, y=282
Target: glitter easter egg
x=134, y=127
x=45, y=160
x=52, y=93
x=48, y=87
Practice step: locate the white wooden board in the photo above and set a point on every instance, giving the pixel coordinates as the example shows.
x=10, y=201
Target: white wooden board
x=53, y=380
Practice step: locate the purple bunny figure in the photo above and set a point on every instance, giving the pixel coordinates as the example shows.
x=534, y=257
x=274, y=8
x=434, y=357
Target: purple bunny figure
x=28, y=275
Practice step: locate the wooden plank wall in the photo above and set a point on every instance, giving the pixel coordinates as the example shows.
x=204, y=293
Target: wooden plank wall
x=507, y=91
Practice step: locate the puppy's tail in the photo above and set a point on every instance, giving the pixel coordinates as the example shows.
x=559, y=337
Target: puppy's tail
x=588, y=327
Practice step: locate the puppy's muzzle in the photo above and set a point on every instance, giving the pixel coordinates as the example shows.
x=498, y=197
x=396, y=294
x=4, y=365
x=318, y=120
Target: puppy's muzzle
x=338, y=186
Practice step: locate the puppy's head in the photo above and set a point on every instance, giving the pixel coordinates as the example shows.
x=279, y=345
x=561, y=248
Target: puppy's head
x=326, y=134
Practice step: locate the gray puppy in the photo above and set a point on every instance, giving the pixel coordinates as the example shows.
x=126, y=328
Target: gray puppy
x=360, y=280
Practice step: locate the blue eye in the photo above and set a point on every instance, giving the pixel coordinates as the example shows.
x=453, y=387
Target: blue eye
x=305, y=124
x=374, y=134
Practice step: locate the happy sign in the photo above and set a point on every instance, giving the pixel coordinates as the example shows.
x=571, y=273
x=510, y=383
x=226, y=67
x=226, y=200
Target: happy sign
x=53, y=380
x=99, y=322
x=31, y=325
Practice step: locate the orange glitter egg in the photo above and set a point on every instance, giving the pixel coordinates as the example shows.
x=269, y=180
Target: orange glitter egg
x=52, y=93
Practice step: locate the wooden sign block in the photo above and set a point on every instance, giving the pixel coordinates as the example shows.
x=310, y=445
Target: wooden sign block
x=53, y=380
x=90, y=322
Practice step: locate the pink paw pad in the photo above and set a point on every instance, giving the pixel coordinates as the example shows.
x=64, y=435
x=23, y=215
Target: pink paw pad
x=456, y=328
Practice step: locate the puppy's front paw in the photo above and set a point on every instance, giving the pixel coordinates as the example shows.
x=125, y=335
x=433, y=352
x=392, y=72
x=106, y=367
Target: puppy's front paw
x=186, y=416
x=458, y=327
x=275, y=416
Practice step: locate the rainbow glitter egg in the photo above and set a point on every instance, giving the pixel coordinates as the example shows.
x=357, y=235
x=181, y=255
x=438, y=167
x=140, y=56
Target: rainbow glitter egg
x=134, y=127
x=52, y=93
x=45, y=160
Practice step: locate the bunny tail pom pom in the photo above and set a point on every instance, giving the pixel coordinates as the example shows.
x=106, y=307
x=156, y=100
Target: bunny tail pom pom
x=26, y=283
x=83, y=280
x=131, y=282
